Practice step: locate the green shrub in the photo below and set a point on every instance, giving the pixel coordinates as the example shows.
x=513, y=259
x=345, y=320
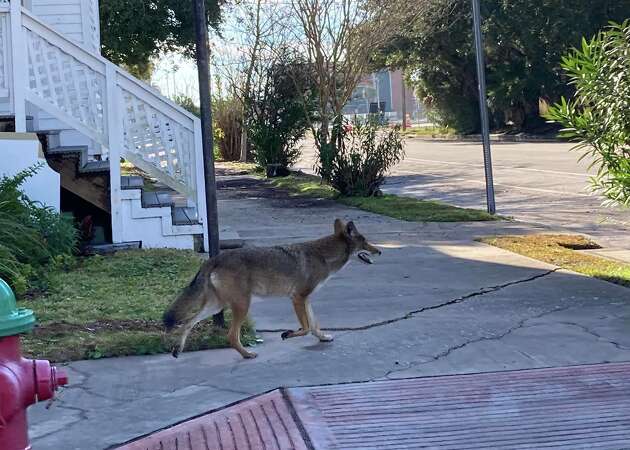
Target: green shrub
x=278, y=114
x=598, y=116
x=364, y=154
x=228, y=127
x=31, y=235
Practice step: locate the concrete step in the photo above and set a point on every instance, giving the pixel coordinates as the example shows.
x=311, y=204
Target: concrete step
x=183, y=215
x=80, y=151
x=180, y=215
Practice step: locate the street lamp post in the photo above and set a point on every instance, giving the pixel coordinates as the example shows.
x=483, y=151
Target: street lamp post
x=483, y=107
x=203, y=71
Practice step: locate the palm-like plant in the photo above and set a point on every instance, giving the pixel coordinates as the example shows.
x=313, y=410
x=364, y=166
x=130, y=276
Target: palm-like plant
x=598, y=116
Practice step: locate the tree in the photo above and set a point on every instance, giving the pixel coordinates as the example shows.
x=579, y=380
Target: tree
x=134, y=31
x=598, y=116
x=338, y=38
x=523, y=40
x=244, y=53
x=276, y=117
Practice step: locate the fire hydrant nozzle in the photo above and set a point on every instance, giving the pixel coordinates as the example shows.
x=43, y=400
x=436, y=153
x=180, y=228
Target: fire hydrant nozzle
x=22, y=381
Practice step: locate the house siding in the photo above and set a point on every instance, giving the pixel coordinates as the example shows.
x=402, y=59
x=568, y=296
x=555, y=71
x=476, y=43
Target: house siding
x=75, y=19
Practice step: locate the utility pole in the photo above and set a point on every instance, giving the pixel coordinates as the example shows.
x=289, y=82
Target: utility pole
x=203, y=71
x=483, y=107
x=404, y=100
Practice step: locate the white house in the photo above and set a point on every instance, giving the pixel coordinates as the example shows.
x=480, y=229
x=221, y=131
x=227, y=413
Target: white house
x=90, y=115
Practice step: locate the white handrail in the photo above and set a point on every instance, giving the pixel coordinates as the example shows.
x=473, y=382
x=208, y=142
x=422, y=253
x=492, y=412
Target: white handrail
x=159, y=134
x=125, y=116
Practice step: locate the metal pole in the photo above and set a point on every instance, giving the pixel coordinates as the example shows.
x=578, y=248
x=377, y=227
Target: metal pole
x=483, y=107
x=404, y=101
x=203, y=70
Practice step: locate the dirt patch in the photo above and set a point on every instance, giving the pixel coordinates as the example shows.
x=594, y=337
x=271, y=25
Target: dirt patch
x=249, y=187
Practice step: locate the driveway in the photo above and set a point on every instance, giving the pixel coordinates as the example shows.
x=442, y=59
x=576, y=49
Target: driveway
x=534, y=182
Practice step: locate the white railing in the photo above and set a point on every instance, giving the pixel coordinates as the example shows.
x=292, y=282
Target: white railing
x=5, y=50
x=125, y=116
x=66, y=79
x=90, y=23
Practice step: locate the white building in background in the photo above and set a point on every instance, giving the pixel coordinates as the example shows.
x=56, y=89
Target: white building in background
x=382, y=92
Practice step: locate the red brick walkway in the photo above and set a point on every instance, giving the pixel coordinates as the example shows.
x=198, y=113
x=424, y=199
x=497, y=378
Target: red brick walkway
x=583, y=407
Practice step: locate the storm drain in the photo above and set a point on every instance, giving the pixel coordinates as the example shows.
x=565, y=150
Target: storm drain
x=581, y=407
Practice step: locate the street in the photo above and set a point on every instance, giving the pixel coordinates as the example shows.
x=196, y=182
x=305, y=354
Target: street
x=540, y=183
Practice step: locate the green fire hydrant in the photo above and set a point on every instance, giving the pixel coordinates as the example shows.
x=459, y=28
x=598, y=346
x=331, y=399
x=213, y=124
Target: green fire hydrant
x=22, y=381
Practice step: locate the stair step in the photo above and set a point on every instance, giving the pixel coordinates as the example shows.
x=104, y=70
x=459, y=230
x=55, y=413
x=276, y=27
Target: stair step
x=85, y=166
x=183, y=215
x=67, y=149
x=156, y=199
x=95, y=166
x=50, y=132
x=131, y=182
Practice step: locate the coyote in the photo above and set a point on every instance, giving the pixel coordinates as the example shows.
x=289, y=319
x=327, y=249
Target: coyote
x=233, y=277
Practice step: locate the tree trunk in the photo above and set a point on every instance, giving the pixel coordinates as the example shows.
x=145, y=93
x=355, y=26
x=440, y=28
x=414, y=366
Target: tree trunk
x=243, y=144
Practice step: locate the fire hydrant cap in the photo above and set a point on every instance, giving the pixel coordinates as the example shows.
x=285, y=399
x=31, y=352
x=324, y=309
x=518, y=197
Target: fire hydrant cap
x=13, y=320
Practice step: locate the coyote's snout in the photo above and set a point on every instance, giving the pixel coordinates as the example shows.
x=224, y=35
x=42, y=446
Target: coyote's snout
x=232, y=278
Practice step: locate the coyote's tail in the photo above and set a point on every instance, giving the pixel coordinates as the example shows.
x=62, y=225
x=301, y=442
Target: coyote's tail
x=187, y=303
x=169, y=319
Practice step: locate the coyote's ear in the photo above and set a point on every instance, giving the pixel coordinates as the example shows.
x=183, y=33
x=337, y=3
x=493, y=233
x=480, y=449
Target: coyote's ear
x=339, y=227
x=351, y=230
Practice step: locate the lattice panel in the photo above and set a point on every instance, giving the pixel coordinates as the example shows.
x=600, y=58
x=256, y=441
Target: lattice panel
x=4, y=50
x=68, y=84
x=93, y=40
x=162, y=142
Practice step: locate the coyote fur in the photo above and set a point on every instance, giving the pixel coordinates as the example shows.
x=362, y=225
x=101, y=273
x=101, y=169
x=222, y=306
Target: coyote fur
x=233, y=277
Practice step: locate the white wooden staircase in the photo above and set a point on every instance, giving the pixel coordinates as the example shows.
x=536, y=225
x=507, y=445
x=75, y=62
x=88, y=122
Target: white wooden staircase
x=104, y=115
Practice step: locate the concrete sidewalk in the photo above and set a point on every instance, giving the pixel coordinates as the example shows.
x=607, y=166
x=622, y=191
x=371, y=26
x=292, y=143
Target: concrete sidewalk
x=435, y=302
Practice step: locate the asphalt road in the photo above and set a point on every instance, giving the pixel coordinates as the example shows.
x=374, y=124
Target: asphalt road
x=541, y=183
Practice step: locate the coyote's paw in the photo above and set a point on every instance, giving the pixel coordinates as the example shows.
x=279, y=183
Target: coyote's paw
x=326, y=337
x=290, y=333
x=286, y=334
x=250, y=355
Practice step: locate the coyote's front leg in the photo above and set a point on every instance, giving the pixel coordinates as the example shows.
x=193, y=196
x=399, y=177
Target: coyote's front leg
x=300, y=311
x=313, y=325
x=307, y=320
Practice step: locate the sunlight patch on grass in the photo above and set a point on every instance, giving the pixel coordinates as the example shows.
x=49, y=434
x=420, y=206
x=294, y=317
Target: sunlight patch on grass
x=403, y=208
x=414, y=210
x=561, y=250
x=429, y=131
x=304, y=185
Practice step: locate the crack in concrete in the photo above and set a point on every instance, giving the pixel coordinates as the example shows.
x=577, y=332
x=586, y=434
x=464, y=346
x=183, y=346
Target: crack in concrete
x=410, y=314
x=80, y=417
x=88, y=390
x=520, y=325
x=595, y=334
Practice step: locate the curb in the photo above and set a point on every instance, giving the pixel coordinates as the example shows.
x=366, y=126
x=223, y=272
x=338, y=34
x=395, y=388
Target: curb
x=493, y=138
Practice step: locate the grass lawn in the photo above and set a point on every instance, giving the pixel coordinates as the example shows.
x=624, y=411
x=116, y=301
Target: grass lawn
x=236, y=166
x=112, y=306
x=429, y=131
x=560, y=250
x=403, y=208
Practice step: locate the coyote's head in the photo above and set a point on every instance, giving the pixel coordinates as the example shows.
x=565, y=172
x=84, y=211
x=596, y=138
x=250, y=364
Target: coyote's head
x=357, y=241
